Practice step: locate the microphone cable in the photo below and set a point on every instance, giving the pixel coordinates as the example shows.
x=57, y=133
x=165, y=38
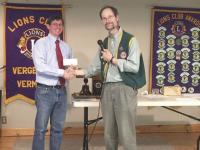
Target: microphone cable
x=97, y=118
x=100, y=43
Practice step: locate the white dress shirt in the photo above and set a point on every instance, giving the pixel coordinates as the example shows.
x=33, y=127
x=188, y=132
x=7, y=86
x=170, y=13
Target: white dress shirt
x=45, y=60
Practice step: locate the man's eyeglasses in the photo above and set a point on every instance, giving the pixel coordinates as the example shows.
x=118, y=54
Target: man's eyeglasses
x=108, y=18
x=57, y=24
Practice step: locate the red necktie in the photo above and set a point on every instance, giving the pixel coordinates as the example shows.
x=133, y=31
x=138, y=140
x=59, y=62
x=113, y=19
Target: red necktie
x=60, y=61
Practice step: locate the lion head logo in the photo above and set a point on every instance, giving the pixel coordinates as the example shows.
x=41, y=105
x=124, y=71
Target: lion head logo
x=27, y=40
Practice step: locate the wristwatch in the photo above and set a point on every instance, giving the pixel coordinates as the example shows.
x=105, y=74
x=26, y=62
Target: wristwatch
x=111, y=60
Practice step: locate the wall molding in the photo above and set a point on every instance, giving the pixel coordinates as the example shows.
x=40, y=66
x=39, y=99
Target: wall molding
x=185, y=128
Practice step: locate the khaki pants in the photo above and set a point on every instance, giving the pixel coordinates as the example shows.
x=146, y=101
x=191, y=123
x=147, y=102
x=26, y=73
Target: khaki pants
x=119, y=104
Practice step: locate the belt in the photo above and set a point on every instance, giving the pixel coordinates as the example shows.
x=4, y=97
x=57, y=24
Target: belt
x=50, y=86
x=112, y=83
x=119, y=82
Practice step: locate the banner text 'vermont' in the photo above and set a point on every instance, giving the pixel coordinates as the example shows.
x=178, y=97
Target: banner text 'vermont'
x=26, y=84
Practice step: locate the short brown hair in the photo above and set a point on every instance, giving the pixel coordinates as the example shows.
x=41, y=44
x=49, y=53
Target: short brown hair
x=52, y=18
x=114, y=10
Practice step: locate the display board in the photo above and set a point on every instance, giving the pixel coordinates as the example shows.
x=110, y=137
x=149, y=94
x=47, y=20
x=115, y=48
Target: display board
x=175, y=51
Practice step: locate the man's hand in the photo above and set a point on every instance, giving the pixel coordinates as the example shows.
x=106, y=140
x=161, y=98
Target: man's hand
x=69, y=73
x=79, y=72
x=106, y=55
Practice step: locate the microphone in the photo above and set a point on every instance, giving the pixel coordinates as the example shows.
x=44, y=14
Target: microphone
x=100, y=43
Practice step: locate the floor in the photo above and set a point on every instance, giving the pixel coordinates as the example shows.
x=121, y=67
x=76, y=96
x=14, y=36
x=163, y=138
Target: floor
x=150, y=141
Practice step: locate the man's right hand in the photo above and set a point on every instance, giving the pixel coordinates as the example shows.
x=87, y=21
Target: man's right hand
x=69, y=73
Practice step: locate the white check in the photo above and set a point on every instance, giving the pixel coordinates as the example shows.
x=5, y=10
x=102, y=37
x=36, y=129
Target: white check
x=68, y=62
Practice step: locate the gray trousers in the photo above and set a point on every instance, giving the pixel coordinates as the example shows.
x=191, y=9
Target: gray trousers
x=119, y=104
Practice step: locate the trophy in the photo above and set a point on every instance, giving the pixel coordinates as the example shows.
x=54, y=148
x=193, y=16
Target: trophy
x=85, y=88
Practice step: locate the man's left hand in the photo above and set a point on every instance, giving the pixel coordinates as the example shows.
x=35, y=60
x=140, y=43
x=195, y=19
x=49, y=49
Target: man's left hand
x=106, y=55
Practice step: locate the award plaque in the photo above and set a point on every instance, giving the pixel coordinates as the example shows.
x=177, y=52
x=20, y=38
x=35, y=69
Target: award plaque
x=96, y=85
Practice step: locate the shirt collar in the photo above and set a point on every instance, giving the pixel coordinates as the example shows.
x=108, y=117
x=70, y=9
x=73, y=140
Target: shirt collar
x=116, y=35
x=53, y=38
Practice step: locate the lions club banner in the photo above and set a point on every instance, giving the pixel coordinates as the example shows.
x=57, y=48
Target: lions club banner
x=24, y=25
x=175, y=52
